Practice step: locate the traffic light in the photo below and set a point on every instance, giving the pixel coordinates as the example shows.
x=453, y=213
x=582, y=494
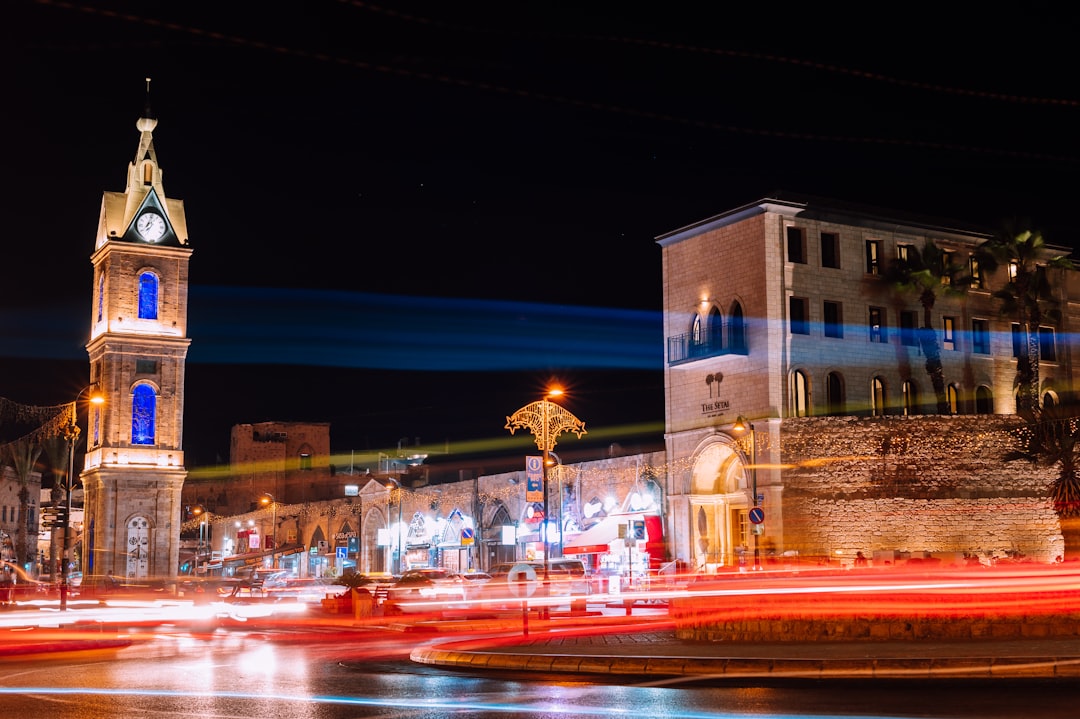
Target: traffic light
x=54, y=517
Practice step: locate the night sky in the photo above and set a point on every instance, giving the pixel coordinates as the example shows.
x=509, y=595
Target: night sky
x=408, y=216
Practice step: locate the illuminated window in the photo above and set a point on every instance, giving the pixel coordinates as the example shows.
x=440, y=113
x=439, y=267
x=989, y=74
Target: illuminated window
x=1014, y=269
x=952, y=398
x=796, y=245
x=877, y=397
x=911, y=399
x=305, y=461
x=830, y=250
x=143, y=411
x=976, y=273
x=148, y=296
x=800, y=394
x=877, y=325
x=834, y=321
x=984, y=400
x=873, y=257
x=948, y=335
x=980, y=336
x=903, y=252
x=799, y=316
x=947, y=265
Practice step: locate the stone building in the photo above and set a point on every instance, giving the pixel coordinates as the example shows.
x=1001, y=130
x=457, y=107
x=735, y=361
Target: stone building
x=779, y=321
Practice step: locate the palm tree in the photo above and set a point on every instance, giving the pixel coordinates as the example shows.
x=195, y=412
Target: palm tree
x=928, y=273
x=1054, y=439
x=22, y=455
x=1028, y=297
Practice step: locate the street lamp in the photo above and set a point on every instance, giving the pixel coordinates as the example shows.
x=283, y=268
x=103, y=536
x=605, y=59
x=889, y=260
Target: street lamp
x=742, y=425
x=71, y=434
x=198, y=510
x=546, y=420
x=268, y=499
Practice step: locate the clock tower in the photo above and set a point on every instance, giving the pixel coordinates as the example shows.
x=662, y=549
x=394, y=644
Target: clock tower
x=138, y=346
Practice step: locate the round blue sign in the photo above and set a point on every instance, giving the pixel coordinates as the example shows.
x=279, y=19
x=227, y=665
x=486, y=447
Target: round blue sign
x=757, y=515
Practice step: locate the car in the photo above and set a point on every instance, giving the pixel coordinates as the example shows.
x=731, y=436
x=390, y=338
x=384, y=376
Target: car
x=475, y=582
x=566, y=577
x=425, y=589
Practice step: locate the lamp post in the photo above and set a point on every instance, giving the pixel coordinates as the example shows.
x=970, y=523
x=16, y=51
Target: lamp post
x=742, y=425
x=546, y=420
x=268, y=499
x=395, y=568
x=198, y=511
x=71, y=434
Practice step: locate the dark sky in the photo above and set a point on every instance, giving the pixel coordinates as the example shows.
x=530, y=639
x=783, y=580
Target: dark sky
x=408, y=216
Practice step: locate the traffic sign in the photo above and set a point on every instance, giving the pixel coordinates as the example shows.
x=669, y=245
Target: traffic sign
x=467, y=536
x=341, y=552
x=757, y=515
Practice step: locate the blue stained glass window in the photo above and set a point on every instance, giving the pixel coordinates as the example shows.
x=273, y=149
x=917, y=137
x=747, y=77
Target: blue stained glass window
x=143, y=410
x=148, y=291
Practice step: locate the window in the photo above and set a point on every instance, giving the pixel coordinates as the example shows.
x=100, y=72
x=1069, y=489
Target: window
x=305, y=461
x=976, y=274
x=1014, y=269
x=143, y=410
x=101, y=297
x=952, y=397
x=980, y=336
x=834, y=391
x=796, y=245
x=911, y=399
x=984, y=400
x=947, y=265
x=909, y=322
x=903, y=253
x=1019, y=344
x=148, y=173
x=1046, y=344
x=715, y=334
x=948, y=335
x=148, y=296
x=798, y=314
x=877, y=325
x=834, y=320
x=145, y=366
x=830, y=250
x=873, y=257
x=737, y=330
x=800, y=394
x=877, y=397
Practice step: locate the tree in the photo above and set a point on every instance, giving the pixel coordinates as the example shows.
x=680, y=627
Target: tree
x=22, y=455
x=928, y=273
x=1027, y=297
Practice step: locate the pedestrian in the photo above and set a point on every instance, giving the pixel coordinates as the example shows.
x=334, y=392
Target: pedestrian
x=860, y=559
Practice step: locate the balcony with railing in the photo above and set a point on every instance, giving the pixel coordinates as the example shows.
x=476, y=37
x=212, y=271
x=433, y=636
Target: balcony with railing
x=699, y=345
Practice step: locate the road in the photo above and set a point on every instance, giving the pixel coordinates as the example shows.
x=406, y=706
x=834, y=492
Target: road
x=322, y=673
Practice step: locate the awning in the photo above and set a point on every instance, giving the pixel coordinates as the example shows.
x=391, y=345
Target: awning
x=598, y=538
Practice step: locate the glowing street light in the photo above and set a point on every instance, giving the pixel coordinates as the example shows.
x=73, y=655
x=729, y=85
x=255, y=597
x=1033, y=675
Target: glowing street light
x=742, y=425
x=198, y=511
x=71, y=434
x=268, y=500
x=546, y=420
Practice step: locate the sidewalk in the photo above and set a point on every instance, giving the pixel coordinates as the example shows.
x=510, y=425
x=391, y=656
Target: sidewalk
x=646, y=646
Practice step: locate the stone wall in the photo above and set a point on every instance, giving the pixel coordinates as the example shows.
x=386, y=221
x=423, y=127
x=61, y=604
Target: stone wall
x=894, y=487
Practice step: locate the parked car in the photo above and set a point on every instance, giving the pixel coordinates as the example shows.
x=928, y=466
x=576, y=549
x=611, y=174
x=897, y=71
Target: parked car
x=425, y=589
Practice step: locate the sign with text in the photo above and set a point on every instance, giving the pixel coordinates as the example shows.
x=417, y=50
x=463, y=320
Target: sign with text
x=534, y=479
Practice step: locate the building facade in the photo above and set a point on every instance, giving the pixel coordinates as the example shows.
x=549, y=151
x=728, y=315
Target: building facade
x=782, y=310
x=134, y=468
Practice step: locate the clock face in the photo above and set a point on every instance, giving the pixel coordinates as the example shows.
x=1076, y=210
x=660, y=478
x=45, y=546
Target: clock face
x=151, y=226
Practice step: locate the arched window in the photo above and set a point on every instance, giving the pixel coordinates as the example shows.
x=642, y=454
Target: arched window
x=1049, y=399
x=148, y=296
x=911, y=399
x=834, y=391
x=737, y=330
x=984, y=400
x=877, y=397
x=715, y=337
x=143, y=411
x=101, y=297
x=952, y=398
x=800, y=394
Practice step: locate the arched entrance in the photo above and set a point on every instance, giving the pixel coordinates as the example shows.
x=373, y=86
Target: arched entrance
x=718, y=508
